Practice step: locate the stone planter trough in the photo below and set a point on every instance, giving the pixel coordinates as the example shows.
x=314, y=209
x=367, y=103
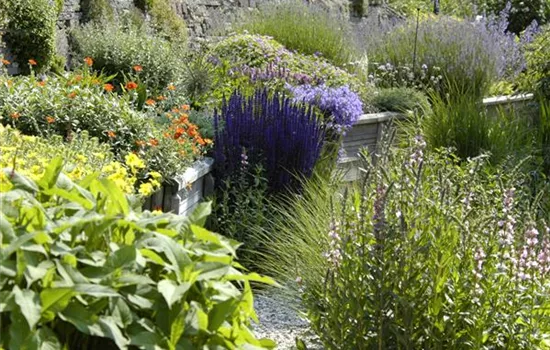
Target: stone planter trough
x=183, y=193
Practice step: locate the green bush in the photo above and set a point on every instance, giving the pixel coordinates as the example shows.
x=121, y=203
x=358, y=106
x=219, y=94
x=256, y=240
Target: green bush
x=400, y=100
x=97, y=11
x=82, y=270
x=537, y=75
x=117, y=50
x=308, y=29
x=30, y=32
x=430, y=252
x=166, y=22
x=523, y=13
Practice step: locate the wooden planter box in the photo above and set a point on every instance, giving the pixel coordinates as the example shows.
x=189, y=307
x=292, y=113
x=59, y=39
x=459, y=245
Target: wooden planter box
x=521, y=104
x=183, y=193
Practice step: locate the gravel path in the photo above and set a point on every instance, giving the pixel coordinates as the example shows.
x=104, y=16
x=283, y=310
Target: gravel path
x=281, y=323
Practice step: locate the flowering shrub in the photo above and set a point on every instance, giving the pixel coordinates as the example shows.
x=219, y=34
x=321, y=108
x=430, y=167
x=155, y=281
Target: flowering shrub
x=470, y=55
x=84, y=102
x=245, y=61
x=430, y=252
x=30, y=156
x=340, y=106
x=82, y=270
x=285, y=138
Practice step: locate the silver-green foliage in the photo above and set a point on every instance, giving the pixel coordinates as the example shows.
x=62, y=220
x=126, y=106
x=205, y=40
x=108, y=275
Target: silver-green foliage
x=79, y=268
x=427, y=252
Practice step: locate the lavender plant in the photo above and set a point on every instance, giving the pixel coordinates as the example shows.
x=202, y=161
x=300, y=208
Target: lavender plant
x=428, y=252
x=284, y=137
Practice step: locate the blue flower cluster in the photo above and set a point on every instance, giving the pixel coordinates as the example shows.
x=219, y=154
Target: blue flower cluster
x=341, y=106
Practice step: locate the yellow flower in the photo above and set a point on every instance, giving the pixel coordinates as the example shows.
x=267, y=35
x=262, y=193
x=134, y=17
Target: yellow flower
x=155, y=175
x=145, y=189
x=81, y=158
x=134, y=162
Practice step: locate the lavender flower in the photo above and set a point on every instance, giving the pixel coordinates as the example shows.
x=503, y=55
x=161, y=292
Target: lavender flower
x=341, y=105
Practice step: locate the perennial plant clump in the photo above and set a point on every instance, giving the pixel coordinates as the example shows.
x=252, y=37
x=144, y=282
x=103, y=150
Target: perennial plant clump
x=285, y=138
x=82, y=269
x=426, y=252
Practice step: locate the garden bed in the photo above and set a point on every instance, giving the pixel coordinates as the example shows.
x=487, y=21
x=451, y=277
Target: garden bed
x=182, y=194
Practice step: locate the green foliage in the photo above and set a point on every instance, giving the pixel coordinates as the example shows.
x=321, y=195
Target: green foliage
x=30, y=32
x=436, y=274
x=97, y=11
x=523, y=12
x=465, y=125
x=166, y=22
x=537, y=75
x=59, y=63
x=116, y=50
x=82, y=270
x=305, y=28
x=240, y=204
x=401, y=100
x=359, y=8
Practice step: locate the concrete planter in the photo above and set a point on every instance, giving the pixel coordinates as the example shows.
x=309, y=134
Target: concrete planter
x=183, y=193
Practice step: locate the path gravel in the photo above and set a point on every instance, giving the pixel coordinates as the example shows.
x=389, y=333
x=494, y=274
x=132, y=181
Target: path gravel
x=281, y=323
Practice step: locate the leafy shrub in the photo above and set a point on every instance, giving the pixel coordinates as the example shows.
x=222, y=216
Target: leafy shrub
x=247, y=61
x=308, y=29
x=523, y=12
x=97, y=11
x=79, y=102
x=466, y=126
x=469, y=56
x=428, y=253
x=401, y=100
x=117, y=50
x=88, y=272
x=285, y=138
x=30, y=32
x=30, y=156
x=166, y=22
x=537, y=75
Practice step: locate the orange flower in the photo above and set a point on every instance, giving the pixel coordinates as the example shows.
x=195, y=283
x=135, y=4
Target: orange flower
x=208, y=141
x=150, y=102
x=161, y=98
x=200, y=141
x=42, y=83
x=171, y=87
x=89, y=61
x=167, y=134
x=138, y=68
x=15, y=115
x=72, y=95
x=5, y=62
x=131, y=85
x=154, y=142
x=111, y=134
x=32, y=62
x=50, y=120
x=108, y=87
x=186, y=107
x=78, y=78
x=179, y=132
x=95, y=81
x=140, y=143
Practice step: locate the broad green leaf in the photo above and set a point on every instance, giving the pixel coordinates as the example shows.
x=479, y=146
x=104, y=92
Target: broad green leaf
x=177, y=327
x=219, y=313
x=147, y=340
x=205, y=235
x=152, y=256
x=200, y=214
x=72, y=196
x=80, y=317
x=35, y=273
x=196, y=320
x=95, y=290
x=47, y=340
x=123, y=257
x=10, y=249
x=19, y=330
x=116, y=196
x=6, y=301
x=20, y=182
x=51, y=173
x=5, y=228
x=110, y=330
x=128, y=279
x=29, y=304
x=121, y=313
x=55, y=300
x=140, y=301
x=171, y=291
x=254, y=277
